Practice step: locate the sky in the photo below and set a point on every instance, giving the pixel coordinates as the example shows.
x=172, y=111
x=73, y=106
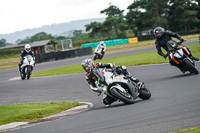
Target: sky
x=16, y=15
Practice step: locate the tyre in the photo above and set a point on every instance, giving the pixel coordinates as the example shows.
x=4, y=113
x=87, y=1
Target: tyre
x=124, y=97
x=144, y=93
x=191, y=67
x=95, y=57
x=28, y=72
x=23, y=75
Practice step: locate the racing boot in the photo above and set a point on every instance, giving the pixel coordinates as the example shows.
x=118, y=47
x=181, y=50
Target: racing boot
x=194, y=58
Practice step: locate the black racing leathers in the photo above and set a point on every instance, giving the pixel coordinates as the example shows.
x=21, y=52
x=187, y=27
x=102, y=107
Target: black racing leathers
x=161, y=42
x=24, y=53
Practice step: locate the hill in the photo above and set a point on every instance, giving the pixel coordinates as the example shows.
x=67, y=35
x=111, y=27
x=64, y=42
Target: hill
x=54, y=29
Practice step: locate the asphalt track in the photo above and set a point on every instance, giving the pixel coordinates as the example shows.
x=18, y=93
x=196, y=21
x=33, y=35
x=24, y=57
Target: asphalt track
x=174, y=103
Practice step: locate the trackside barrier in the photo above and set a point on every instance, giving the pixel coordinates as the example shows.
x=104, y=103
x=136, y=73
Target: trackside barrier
x=53, y=56
x=108, y=43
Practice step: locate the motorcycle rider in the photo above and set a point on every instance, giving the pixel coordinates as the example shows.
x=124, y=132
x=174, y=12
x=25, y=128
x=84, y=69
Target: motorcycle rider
x=162, y=39
x=101, y=46
x=89, y=67
x=25, y=52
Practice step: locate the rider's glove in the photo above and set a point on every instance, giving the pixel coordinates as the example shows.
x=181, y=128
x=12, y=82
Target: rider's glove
x=182, y=40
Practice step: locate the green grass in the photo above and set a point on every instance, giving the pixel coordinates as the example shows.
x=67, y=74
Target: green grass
x=130, y=60
x=32, y=111
x=191, y=130
x=8, y=67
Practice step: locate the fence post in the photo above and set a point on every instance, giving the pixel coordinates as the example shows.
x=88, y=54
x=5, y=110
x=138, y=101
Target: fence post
x=199, y=38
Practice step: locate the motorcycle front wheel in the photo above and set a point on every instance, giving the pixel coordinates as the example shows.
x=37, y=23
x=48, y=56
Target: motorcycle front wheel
x=191, y=67
x=144, y=93
x=28, y=72
x=122, y=96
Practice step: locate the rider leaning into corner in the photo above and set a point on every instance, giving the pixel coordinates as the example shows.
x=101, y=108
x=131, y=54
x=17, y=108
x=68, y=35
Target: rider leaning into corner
x=102, y=46
x=162, y=39
x=25, y=52
x=92, y=80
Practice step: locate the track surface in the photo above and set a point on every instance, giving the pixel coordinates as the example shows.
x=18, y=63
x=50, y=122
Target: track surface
x=174, y=103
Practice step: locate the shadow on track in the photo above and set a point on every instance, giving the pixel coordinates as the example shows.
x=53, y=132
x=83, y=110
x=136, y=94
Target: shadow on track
x=117, y=104
x=178, y=76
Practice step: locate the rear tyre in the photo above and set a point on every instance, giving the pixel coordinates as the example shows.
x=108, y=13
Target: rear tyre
x=124, y=97
x=144, y=93
x=191, y=67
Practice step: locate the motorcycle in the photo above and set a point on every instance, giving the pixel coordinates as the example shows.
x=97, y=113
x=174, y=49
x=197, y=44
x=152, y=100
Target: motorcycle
x=98, y=53
x=27, y=67
x=120, y=87
x=180, y=55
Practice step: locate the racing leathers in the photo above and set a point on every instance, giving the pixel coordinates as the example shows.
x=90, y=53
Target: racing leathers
x=96, y=87
x=23, y=54
x=162, y=42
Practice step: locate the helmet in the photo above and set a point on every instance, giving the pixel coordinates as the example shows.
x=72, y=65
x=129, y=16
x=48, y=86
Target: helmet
x=88, y=65
x=159, y=31
x=27, y=48
x=102, y=43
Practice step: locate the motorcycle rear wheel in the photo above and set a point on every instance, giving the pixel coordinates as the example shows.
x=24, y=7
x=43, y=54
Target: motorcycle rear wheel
x=191, y=67
x=126, y=98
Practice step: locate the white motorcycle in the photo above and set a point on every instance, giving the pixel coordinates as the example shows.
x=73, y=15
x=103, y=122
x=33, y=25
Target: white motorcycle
x=120, y=87
x=27, y=67
x=98, y=53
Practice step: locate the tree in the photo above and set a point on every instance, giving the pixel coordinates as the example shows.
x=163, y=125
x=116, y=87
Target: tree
x=94, y=27
x=147, y=14
x=2, y=42
x=136, y=15
x=38, y=37
x=156, y=13
x=115, y=18
x=182, y=15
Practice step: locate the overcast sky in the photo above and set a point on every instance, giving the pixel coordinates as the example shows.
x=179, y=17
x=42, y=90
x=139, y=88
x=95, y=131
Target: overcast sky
x=16, y=15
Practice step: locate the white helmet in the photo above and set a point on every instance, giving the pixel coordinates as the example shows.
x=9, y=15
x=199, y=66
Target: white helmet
x=102, y=44
x=27, y=48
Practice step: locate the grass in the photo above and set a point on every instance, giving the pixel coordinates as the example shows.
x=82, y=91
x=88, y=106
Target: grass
x=191, y=130
x=9, y=58
x=130, y=60
x=32, y=111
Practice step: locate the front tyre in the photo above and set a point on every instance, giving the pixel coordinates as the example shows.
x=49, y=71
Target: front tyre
x=122, y=96
x=28, y=72
x=144, y=93
x=23, y=74
x=191, y=67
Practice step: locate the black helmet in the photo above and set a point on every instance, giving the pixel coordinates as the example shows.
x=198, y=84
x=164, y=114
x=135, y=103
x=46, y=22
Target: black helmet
x=159, y=31
x=88, y=65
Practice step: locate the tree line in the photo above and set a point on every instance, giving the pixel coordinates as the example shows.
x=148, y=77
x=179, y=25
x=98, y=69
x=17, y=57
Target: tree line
x=142, y=15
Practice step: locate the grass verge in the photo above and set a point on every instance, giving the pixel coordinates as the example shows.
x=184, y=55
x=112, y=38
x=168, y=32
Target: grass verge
x=130, y=60
x=191, y=130
x=32, y=111
x=9, y=58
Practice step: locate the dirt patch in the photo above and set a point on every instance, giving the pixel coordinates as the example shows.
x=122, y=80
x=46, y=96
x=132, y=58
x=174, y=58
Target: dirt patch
x=11, y=63
x=121, y=48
